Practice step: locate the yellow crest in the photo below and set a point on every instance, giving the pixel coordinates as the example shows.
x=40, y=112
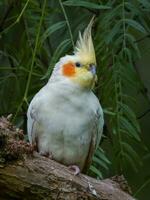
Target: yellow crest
x=84, y=47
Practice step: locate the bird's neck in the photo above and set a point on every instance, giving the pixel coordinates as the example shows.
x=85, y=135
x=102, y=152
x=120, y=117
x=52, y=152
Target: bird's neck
x=67, y=87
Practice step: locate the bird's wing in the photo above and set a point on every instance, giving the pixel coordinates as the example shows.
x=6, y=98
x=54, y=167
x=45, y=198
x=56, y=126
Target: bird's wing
x=32, y=120
x=33, y=117
x=97, y=129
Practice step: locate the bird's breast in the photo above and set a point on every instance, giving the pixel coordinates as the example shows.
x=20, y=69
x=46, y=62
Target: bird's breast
x=65, y=126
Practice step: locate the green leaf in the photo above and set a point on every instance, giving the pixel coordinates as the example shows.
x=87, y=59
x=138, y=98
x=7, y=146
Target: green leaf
x=96, y=171
x=52, y=29
x=112, y=14
x=132, y=42
x=128, y=159
x=131, y=116
x=108, y=112
x=113, y=32
x=100, y=162
x=130, y=130
x=85, y=4
x=100, y=153
x=128, y=148
x=136, y=25
x=132, y=8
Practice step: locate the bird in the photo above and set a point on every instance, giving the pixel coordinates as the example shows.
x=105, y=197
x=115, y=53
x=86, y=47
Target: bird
x=65, y=118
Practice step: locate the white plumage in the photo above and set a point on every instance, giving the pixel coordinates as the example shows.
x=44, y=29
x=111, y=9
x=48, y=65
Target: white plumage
x=65, y=118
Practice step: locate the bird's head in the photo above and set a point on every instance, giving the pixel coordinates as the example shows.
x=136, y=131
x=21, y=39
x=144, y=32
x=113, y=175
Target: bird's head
x=79, y=68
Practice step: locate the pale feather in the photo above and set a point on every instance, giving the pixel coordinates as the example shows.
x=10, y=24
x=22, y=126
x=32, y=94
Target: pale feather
x=62, y=118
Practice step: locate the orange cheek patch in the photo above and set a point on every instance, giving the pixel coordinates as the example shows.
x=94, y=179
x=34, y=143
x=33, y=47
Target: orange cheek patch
x=69, y=69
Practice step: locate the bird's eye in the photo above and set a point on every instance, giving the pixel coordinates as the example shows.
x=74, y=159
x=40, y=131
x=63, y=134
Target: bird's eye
x=78, y=64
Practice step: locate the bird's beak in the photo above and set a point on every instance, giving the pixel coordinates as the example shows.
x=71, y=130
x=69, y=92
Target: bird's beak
x=92, y=68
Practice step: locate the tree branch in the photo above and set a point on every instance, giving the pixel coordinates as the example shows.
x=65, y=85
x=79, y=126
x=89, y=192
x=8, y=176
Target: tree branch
x=35, y=177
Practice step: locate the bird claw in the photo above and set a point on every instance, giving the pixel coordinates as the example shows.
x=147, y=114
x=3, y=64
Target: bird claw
x=75, y=169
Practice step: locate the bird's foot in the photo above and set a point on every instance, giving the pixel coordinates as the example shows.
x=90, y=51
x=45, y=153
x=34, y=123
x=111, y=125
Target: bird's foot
x=75, y=169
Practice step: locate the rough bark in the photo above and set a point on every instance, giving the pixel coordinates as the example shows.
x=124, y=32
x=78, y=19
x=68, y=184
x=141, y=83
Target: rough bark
x=35, y=177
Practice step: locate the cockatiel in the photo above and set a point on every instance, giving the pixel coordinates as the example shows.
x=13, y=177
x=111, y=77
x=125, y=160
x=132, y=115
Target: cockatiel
x=65, y=118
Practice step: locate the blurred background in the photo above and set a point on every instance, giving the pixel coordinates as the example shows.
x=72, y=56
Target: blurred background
x=34, y=34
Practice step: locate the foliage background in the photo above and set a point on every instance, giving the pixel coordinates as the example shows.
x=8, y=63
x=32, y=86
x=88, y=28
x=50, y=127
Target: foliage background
x=35, y=34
